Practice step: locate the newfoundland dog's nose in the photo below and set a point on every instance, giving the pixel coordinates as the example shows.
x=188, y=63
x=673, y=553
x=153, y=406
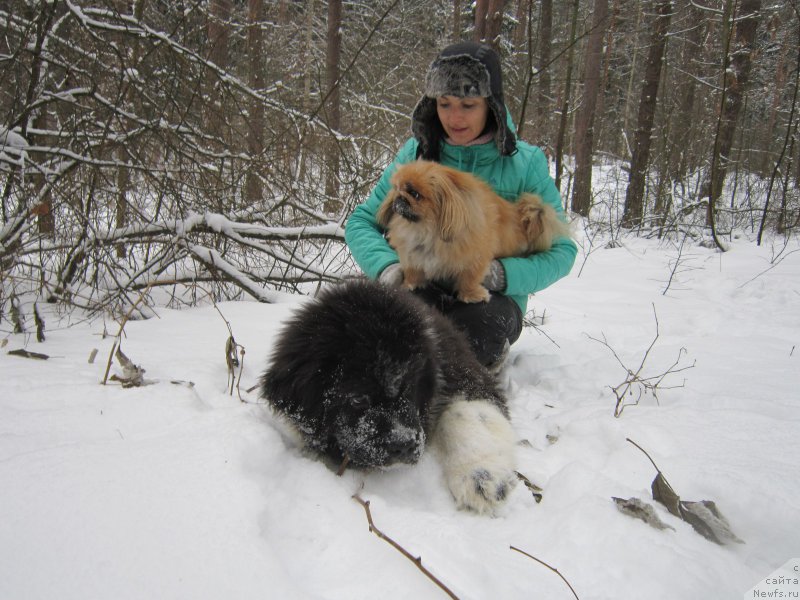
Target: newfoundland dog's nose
x=403, y=450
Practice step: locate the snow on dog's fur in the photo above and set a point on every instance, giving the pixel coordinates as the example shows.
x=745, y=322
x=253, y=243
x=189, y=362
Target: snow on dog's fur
x=372, y=376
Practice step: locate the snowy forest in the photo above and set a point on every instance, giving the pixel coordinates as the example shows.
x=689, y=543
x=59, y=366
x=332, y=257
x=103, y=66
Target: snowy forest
x=154, y=145
x=176, y=176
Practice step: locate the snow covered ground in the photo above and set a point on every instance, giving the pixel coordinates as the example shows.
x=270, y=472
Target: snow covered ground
x=178, y=490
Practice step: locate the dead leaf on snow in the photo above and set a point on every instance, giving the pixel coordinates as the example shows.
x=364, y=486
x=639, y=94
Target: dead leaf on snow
x=706, y=519
x=638, y=509
x=663, y=493
x=132, y=374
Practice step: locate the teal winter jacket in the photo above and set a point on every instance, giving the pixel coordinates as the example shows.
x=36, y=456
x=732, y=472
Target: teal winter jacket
x=524, y=171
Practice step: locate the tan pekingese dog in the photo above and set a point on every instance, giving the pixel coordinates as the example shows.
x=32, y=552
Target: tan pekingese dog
x=448, y=225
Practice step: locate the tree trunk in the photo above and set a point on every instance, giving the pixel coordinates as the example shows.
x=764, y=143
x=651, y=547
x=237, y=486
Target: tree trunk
x=634, y=196
x=584, y=125
x=566, y=96
x=332, y=105
x=123, y=182
x=308, y=50
x=489, y=21
x=456, y=37
x=736, y=74
x=218, y=28
x=253, y=192
x=481, y=10
x=521, y=28
x=544, y=99
x=218, y=31
x=682, y=156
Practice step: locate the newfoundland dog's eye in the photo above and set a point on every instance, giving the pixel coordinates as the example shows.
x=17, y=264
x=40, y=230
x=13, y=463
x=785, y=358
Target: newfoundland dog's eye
x=359, y=402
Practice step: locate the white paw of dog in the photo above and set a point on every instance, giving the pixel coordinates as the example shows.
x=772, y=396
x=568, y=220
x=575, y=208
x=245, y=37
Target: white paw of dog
x=482, y=491
x=476, y=445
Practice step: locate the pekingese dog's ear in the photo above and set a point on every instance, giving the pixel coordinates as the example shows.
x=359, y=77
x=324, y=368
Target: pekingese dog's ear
x=453, y=200
x=385, y=212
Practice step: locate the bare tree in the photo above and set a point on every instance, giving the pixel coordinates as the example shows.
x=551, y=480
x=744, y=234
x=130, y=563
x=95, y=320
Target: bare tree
x=219, y=16
x=544, y=96
x=584, y=124
x=333, y=102
x=634, y=195
x=151, y=144
x=253, y=190
x=488, y=21
x=456, y=36
x=736, y=73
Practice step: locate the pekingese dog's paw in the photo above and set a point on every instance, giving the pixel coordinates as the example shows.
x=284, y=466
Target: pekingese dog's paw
x=413, y=278
x=473, y=294
x=477, y=448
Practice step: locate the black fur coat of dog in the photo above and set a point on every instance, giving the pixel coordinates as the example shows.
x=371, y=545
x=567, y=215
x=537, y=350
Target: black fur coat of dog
x=370, y=376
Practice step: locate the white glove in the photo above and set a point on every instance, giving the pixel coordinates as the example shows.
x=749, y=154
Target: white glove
x=392, y=276
x=495, y=280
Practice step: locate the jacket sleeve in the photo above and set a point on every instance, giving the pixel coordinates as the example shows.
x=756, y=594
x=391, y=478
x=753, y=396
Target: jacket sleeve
x=536, y=272
x=363, y=235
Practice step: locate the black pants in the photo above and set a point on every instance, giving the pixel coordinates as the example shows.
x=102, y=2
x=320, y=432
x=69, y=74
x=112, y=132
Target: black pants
x=487, y=325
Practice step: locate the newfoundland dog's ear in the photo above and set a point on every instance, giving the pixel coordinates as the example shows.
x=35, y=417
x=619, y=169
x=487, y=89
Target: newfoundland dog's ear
x=291, y=387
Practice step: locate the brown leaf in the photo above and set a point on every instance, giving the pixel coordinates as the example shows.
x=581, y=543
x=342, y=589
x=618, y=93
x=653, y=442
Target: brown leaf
x=534, y=489
x=663, y=493
x=633, y=507
x=706, y=519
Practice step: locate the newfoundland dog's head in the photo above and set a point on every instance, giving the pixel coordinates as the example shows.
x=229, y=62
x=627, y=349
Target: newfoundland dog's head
x=355, y=371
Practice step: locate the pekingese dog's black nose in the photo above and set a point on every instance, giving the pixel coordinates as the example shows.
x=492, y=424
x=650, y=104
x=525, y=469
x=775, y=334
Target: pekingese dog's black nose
x=403, y=208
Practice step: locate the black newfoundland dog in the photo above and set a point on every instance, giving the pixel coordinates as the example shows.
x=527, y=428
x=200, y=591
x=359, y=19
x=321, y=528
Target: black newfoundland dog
x=370, y=376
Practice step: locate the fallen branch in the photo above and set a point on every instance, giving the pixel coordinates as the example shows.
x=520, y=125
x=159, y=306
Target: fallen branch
x=417, y=561
x=553, y=569
x=28, y=354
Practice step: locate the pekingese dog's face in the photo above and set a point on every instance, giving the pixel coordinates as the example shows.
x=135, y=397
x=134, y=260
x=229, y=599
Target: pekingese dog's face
x=423, y=192
x=448, y=225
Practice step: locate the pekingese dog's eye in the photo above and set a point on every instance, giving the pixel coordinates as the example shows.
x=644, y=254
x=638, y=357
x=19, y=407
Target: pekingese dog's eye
x=412, y=192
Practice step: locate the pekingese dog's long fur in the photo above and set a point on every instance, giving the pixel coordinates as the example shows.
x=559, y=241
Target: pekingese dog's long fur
x=448, y=225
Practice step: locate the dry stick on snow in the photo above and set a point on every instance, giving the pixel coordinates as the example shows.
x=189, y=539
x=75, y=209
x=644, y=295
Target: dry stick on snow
x=345, y=461
x=553, y=569
x=417, y=561
x=659, y=471
x=650, y=458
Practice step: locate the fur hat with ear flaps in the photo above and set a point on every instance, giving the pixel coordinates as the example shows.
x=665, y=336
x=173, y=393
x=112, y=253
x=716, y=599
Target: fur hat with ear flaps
x=464, y=70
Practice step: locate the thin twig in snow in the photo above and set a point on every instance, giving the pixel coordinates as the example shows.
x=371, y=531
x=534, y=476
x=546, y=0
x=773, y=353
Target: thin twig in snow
x=416, y=560
x=553, y=569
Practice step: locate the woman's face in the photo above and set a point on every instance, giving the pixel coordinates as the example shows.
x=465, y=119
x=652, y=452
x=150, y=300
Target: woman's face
x=463, y=119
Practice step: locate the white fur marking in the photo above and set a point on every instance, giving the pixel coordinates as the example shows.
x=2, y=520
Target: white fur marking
x=476, y=445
